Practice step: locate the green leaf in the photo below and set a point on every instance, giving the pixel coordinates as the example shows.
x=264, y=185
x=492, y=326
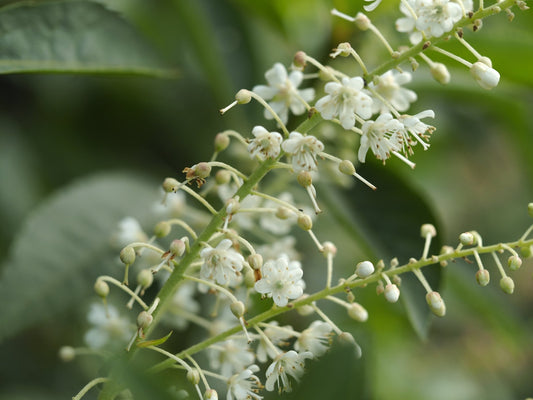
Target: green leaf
x=386, y=222
x=64, y=245
x=154, y=342
x=73, y=37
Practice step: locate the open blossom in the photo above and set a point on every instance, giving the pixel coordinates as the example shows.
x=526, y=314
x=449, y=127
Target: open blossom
x=382, y=136
x=304, y=150
x=107, y=327
x=265, y=144
x=315, y=339
x=278, y=336
x=182, y=304
x=389, y=86
x=230, y=356
x=345, y=100
x=281, y=280
x=282, y=92
x=416, y=128
x=222, y=263
x=129, y=231
x=289, y=363
x=244, y=385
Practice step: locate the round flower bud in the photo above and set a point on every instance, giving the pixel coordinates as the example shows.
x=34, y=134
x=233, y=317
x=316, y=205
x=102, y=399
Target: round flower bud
x=514, y=262
x=202, y=170
x=127, y=255
x=358, y=312
x=484, y=75
x=526, y=251
x=445, y=250
x=304, y=178
x=211, y=394
x=177, y=247
x=483, y=277
x=305, y=310
x=249, y=278
x=237, y=308
x=170, y=185
x=299, y=60
x=364, y=269
x=380, y=288
x=507, y=285
x=380, y=265
x=221, y=142
x=428, y=229
x=397, y=280
x=346, y=167
x=283, y=213
x=305, y=222
x=67, y=353
x=392, y=293
x=343, y=49
x=466, y=238
x=350, y=297
x=530, y=209
x=193, y=376
x=232, y=205
x=440, y=73
x=436, y=304
x=243, y=96
x=144, y=319
x=255, y=261
x=101, y=288
x=329, y=248
x=162, y=229
x=222, y=177
x=394, y=263
x=362, y=21
x=346, y=338
x=145, y=278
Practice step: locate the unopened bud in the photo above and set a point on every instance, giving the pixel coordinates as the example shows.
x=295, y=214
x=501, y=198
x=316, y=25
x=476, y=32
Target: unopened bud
x=445, y=250
x=440, y=73
x=243, y=96
x=514, y=262
x=530, y=209
x=304, y=178
x=211, y=394
x=394, y=262
x=170, y=185
x=202, y=170
x=507, y=285
x=299, y=60
x=221, y=142
x=428, y=229
x=350, y=297
x=346, y=338
x=343, y=49
x=329, y=249
x=307, y=309
x=466, y=238
x=144, y=319
x=283, y=213
x=397, y=280
x=255, y=261
x=162, y=229
x=392, y=293
x=193, y=376
x=358, y=312
x=483, y=277
x=380, y=288
x=67, y=353
x=484, y=75
x=237, y=308
x=101, y=288
x=526, y=251
x=177, y=247
x=249, y=278
x=127, y=255
x=305, y=222
x=232, y=206
x=362, y=21
x=222, y=177
x=145, y=278
x=346, y=167
x=364, y=269
x=436, y=304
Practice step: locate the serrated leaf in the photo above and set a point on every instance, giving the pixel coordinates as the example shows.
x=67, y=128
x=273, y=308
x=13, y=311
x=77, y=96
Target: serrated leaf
x=387, y=223
x=64, y=245
x=73, y=37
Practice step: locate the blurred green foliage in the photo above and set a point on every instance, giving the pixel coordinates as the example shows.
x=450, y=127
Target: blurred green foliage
x=56, y=131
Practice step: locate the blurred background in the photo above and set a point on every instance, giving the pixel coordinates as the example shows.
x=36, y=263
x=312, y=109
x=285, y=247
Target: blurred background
x=60, y=130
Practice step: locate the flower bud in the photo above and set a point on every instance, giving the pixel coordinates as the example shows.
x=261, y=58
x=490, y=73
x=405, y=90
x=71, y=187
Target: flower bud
x=177, y=247
x=299, y=60
x=305, y=222
x=445, y=250
x=350, y=297
x=127, y=255
x=358, y=312
x=346, y=167
x=392, y=293
x=484, y=75
x=222, y=177
x=255, y=260
x=237, y=308
x=304, y=178
x=343, y=49
x=232, y=206
x=145, y=278
x=428, y=229
x=101, y=288
x=283, y=213
x=346, y=338
x=530, y=209
x=440, y=73
x=144, y=319
x=507, y=285
x=483, y=277
x=380, y=288
x=364, y=269
x=436, y=304
x=193, y=376
x=243, y=96
x=162, y=229
x=397, y=280
x=211, y=394
x=202, y=170
x=514, y=262
x=362, y=21
x=249, y=278
x=467, y=238
x=329, y=249
x=170, y=185
x=526, y=251
x=305, y=310
x=67, y=353
x=221, y=142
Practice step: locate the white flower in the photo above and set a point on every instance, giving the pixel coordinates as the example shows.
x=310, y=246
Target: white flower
x=266, y=144
x=315, y=339
x=279, y=223
x=383, y=136
x=373, y=6
x=173, y=205
x=244, y=385
x=181, y=304
x=417, y=128
x=222, y=263
x=272, y=250
x=281, y=280
x=289, y=363
x=230, y=357
x=283, y=90
x=129, y=231
x=304, y=150
x=278, y=336
x=108, y=326
x=345, y=100
x=484, y=75
x=389, y=87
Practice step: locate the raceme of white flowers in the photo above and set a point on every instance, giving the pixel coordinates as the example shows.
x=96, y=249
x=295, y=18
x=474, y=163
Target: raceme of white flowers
x=226, y=245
